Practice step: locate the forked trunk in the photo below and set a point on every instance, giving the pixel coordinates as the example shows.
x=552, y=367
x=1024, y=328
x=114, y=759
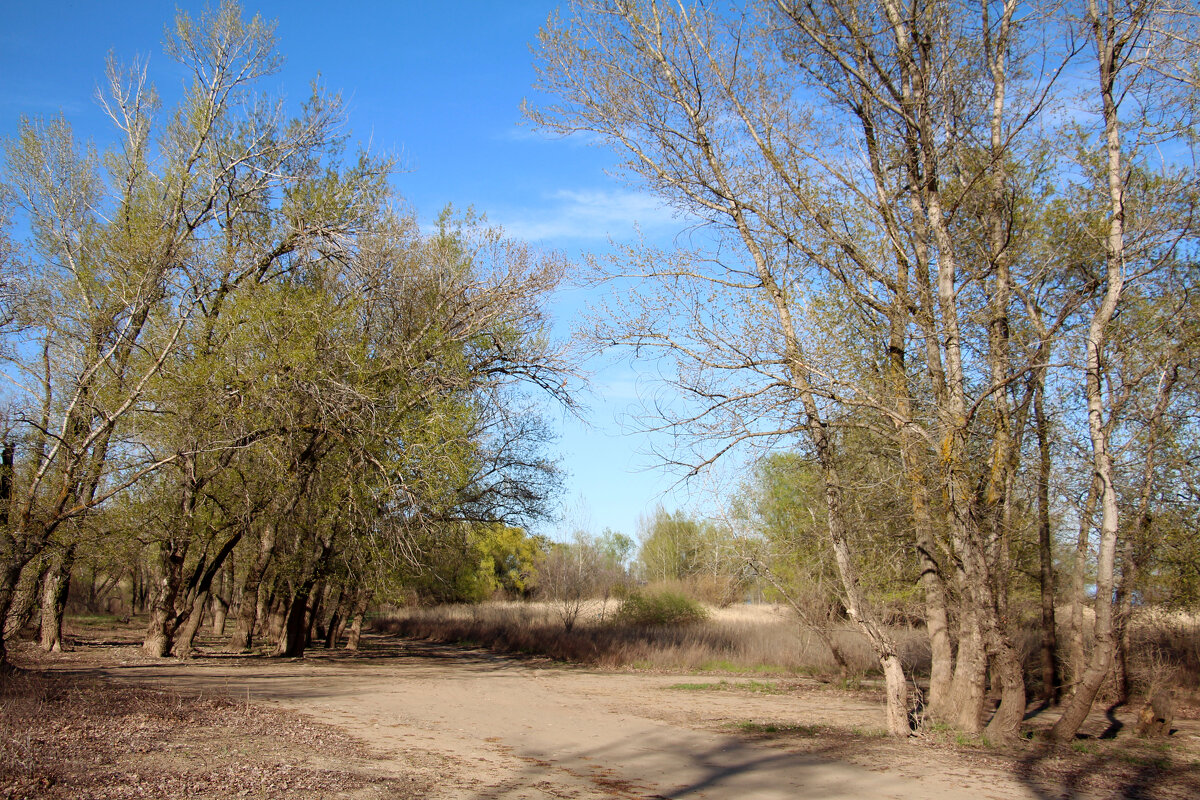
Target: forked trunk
x=185, y=638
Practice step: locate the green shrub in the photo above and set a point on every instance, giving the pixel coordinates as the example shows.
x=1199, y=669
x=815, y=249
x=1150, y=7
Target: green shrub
x=661, y=608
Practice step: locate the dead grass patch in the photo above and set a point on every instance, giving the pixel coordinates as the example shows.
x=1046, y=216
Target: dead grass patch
x=739, y=639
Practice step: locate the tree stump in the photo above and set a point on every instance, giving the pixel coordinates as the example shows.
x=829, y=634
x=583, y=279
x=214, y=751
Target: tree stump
x=1156, y=716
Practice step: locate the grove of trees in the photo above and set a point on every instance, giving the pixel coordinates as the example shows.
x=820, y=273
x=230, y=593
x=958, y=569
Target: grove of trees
x=945, y=252
x=236, y=362
x=940, y=283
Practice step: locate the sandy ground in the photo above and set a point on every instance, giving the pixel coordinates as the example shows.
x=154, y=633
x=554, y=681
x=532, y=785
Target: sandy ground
x=478, y=725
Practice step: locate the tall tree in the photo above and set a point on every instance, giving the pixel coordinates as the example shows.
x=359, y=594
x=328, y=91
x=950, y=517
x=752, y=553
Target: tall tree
x=867, y=255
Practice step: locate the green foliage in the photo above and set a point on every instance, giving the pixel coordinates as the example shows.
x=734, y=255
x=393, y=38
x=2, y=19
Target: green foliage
x=701, y=556
x=615, y=547
x=662, y=608
x=509, y=560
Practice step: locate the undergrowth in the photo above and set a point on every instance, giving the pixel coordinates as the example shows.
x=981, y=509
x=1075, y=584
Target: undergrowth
x=758, y=640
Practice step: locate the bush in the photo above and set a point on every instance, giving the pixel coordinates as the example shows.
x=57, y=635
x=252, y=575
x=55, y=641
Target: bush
x=662, y=608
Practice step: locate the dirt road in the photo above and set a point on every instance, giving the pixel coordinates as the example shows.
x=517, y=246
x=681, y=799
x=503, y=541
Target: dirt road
x=487, y=726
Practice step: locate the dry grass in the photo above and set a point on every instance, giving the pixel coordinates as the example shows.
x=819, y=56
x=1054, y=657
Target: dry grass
x=756, y=638
x=1165, y=651
x=738, y=639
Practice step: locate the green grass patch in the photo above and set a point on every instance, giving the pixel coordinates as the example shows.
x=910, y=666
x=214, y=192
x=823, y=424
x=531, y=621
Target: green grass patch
x=970, y=740
x=759, y=728
x=755, y=687
x=1138, y=760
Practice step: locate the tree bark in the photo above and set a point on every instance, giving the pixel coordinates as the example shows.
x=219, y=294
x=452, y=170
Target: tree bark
x=243, y=633
x=55, y=587
x=970, y=672
x=293, y=635
x=25, y=595
x=337, y=620
x=1110, y=42
x=362, y=603
x=160, y=630
x=221, y=599
x=1078, y=642
x=1048, y=651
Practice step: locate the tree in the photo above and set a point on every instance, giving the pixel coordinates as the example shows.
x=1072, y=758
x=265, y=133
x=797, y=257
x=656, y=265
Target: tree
x=570, y=576
x=1126, y=41
x=229, y=327
x=698, y=553
x=781, y=519
x=866, y=265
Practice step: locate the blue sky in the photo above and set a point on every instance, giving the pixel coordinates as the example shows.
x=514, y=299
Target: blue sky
x=438, y=84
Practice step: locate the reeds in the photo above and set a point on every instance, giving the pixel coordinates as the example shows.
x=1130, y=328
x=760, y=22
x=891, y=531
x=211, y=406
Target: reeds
x=750, y=638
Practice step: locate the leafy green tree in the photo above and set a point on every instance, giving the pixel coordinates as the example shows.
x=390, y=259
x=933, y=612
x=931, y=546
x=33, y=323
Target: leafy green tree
x=510, y=558
x=236, y=328
x=703, y=555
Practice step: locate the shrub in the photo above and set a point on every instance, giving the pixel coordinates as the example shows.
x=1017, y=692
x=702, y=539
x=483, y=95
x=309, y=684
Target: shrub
x=662, y=608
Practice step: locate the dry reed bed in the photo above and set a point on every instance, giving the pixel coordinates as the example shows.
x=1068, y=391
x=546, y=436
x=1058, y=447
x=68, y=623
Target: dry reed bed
x=757, y=638
x=748, y=638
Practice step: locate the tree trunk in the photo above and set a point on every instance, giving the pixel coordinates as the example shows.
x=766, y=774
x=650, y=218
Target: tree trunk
x=25, y=596
x=313, y=630
x=337, y=620
x=1051, y=689
x=1110, y=42
x=187, y=631
x=243, y=633
x=1005, y=724
x=293, y=635
x=363, y=602
x=161, y=628
x=279, y=606
x=1122, y=682
x=9, y=577
x=185, y=638
x=55, y=587
x=220, y=599
x=1077, y=645
x=970, y=673
x=937, y=626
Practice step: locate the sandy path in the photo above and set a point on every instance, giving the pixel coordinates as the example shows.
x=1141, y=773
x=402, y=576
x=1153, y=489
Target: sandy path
x=503, y=728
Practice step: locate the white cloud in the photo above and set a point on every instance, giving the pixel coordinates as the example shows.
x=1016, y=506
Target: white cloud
x=568, y=214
